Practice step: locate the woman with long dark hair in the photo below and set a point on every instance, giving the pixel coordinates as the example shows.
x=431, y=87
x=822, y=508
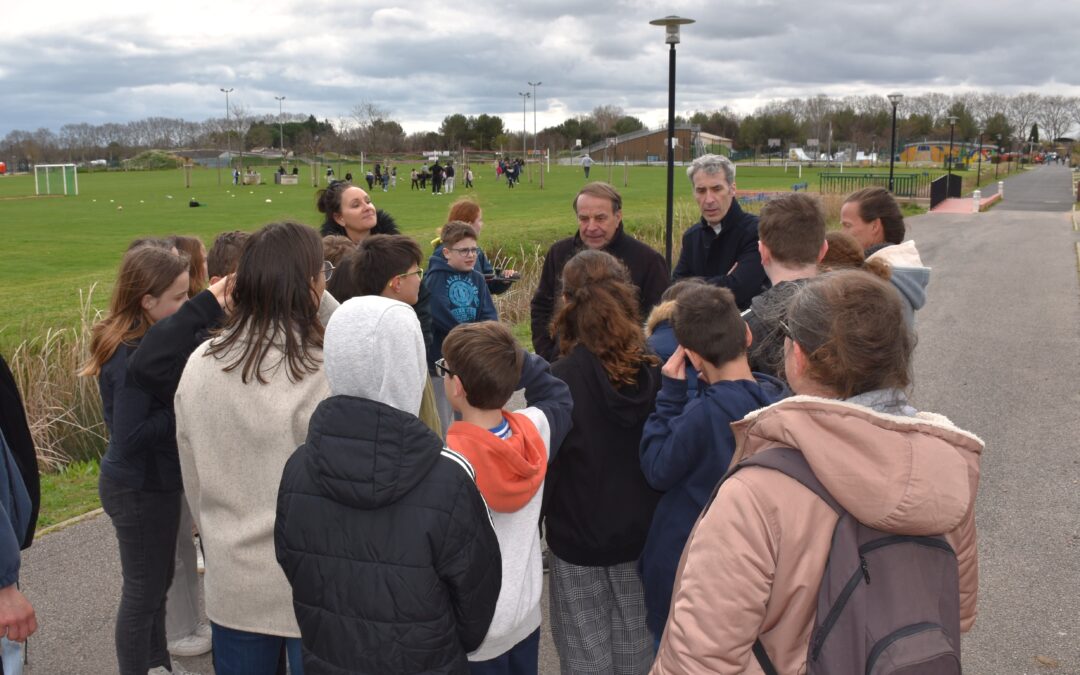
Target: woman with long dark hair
x=140, y=485
x=597, y=505
x=755, y=560
x=242, y=408
x=348, y=211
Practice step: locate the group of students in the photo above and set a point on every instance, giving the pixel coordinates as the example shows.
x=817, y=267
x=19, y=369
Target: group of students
x=334, y=416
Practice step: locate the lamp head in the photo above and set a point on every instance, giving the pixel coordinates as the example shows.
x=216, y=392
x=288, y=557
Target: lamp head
x=894, y=98
x=671, y=27
x=953, y=119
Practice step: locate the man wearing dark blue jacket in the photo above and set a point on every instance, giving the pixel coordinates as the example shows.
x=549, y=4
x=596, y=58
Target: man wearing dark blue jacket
x=723, y=246
x=687, y=443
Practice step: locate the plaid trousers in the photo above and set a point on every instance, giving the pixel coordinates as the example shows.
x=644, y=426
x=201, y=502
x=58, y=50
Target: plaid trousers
x=598, y=619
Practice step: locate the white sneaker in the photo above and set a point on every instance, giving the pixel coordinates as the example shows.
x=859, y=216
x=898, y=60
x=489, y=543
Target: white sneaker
x=190, y=645
x=203, y=630
x=176, y=670
x=200, y=562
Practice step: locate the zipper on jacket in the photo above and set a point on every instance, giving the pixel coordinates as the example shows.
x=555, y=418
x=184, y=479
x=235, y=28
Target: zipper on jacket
x=905, y=539
x=894, y=636
x=865, y=568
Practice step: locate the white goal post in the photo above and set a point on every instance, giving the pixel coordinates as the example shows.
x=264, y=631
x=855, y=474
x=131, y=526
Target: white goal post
x=52, y=178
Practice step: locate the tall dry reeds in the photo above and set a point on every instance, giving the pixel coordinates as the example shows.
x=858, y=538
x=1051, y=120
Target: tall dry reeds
x=63, y=409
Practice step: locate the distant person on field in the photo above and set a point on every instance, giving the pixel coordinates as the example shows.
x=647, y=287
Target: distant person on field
x=140, y=484
x=449, y=173
x=598, y=208
x=468, y=178
x=791, y=231
x=459, y=294
x=415, y=178
x=597, y=505
x=380, y=530
x=687, y=444
x=723, y=246
x=873, y=217
x=437, y=178
x=586, y=164
x=754, y=562
x=510, y=453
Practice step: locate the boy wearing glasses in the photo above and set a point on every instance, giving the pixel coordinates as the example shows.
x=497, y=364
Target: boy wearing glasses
x=459, y=294
x=687, y=443
x=483, y=366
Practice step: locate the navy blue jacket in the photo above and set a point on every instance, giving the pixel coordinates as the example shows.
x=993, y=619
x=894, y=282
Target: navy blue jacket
x=15, y=508
x=711, y=256
x=685, y=449
x=142, y=450
x=456, y=297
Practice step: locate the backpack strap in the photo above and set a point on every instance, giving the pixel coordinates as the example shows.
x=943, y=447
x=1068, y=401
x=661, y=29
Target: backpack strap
x=763, y=660
x=792, y=463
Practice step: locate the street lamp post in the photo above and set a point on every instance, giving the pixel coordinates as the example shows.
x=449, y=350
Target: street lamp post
x=281, y=124
x=524, y=132
x=536, y=140
x=895, y=100
x=978, y=174
x=671, y=36
x=998, y=162
x=952, y=129
x=228, y=139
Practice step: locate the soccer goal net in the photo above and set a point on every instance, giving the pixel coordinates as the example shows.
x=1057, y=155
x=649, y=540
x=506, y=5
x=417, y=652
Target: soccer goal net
x=56, y=179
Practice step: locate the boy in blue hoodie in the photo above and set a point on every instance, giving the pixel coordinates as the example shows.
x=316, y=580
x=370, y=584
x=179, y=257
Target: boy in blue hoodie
x=509, y=452
x=459, y=295
x=687, y=444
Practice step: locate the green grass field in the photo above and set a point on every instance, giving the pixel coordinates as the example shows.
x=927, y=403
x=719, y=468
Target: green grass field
x=55, y=247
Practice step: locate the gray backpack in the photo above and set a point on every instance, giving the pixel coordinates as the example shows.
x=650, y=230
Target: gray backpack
x=888, y=604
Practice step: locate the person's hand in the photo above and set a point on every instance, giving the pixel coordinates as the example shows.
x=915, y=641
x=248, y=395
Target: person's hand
x=508, y=273
x=222, y=290
x=17, y=618
x=675, y=368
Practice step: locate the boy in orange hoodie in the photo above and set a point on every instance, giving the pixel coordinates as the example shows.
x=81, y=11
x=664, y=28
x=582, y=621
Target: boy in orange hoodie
x=483, y=365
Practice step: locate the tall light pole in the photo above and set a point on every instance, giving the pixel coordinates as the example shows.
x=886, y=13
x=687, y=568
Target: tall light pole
x=998, y=162
x=228, y=139
x=978, y=174
x=894, y=98
x=671, y=36
x=536, y=141
x=524, y=132
x=281, y=123
x=952, y=129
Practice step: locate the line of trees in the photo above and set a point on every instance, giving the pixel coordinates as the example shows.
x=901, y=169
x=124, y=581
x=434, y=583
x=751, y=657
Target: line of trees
x=863, y=120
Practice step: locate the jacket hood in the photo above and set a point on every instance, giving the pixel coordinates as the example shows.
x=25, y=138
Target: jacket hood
x=368, y=454
x=909, y=275
x=899, y=474
x=508, y=471
x=627, y=405
x=660, y=314
x=374, y=349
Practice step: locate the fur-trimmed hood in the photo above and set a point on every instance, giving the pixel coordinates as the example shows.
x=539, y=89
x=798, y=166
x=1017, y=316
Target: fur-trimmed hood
x=665, y=311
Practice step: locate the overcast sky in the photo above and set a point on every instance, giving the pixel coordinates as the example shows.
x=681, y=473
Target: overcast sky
x=112, y=61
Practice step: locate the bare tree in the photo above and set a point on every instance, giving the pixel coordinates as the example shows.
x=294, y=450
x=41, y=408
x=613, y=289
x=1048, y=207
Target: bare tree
x=605, y=117
x=1055, y=116
x=1023, y=110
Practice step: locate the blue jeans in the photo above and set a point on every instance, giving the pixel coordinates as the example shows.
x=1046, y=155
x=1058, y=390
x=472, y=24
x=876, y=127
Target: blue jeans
x=522, y=659
x=238, y=652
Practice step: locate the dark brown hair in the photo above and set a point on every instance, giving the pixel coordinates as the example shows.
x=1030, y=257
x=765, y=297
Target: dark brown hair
x=488, y=361
x=465, y=210
x=792, y=226
x=603, y=191
x=336, y=247
x=144, y=270
x=707, y=321
x=600, y=312
x=328, y=202
x=851, y=326
x=224, y=254
x=274, y=304
x=376, y=262
x=877, y=202
x=194, y=248
x=165, y=243
x=455, y=231
x=676, y=289
x=846, y=253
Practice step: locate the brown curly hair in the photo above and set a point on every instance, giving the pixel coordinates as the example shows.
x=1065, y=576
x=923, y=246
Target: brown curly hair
x=599, y=311
x=845, y=252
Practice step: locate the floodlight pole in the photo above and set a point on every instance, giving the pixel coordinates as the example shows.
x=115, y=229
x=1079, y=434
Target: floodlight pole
x=228, y=140
x=895, y=100
x=536, y=140
x=978, y=173
x=998, y=162
x=281, y=124
x=952, y=129
x=524, y=132
x=671, y=36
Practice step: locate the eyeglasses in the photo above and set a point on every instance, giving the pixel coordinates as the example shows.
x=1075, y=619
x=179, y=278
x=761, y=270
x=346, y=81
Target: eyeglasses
x=418, y=272
x=442, y=370
x=327, y=269
x=467, y=252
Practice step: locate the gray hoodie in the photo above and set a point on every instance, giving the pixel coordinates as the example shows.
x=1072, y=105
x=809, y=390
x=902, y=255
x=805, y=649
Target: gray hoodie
x=909, y=275
x=374, y=349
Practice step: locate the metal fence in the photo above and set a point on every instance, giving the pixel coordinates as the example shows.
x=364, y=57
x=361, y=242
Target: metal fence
x=904, y=184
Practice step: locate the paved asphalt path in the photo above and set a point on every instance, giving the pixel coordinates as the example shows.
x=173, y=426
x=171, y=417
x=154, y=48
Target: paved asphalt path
x=999, y=353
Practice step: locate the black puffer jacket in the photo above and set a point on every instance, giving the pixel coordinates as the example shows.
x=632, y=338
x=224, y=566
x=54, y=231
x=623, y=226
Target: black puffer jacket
x=394, y=565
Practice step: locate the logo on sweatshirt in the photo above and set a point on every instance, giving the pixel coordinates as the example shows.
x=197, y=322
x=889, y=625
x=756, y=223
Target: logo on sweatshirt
x=464, y=299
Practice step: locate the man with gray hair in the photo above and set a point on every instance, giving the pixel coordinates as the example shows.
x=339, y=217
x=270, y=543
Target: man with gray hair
x=723, y=246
